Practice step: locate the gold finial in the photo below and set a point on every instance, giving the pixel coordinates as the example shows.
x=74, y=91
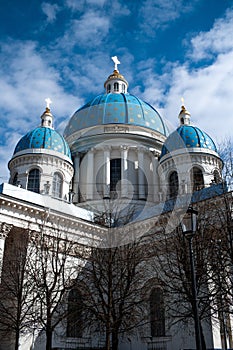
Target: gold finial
x=183, y=109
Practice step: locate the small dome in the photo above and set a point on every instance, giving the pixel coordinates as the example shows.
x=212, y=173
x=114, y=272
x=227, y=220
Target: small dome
x=115, y=76
x=43, y=137
x=187, y=136
x=111, y=108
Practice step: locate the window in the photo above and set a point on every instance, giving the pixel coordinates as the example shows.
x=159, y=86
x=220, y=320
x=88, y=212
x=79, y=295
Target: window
x=197, y=179
x=34, y=180
x=115, y=173
x=123, y=87
x=217, y=177
x=157, y=312
x=173, y=184
x=15, y=180
x=74, y=317
x=108, y=88
x=116, y=86
x=57, y=185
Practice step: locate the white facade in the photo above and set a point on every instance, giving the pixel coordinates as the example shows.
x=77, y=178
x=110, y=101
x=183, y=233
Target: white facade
x=112, y=160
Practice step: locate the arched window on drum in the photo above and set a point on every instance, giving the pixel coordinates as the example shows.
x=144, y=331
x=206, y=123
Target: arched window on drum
x=116, y=87
x=33, y=183
x=173, y=185
x=197, y=179
x=57, y=185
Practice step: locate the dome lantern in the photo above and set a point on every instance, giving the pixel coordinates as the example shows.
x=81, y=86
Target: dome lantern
x=116, y=82
x=184, y=115
x=47, y=117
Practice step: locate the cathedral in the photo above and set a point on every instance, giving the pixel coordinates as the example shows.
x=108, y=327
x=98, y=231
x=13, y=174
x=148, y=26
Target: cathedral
x=116, y=168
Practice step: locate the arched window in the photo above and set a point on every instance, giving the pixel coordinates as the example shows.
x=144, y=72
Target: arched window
x=15, y=180
x=173, y=184
x=34, y=180
x=123, y=88
x=197, y=179
x=74, y=316
x=57, y=185
x=157, y=312
x=217, y=177
x=116, y=86
x=108, y=88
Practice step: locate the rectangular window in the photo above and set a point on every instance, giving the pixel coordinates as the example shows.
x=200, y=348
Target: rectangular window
x=115, y=173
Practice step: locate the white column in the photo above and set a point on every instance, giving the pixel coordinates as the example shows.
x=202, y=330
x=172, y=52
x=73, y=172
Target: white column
x=124, y=171
x=90, y=175
x=141, y=176
x=106, y=174
x=155, y=179
x=76, y=178
x=4, y=230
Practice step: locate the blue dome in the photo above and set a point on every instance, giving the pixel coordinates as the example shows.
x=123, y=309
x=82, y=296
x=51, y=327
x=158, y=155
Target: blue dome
x=112, y=108
x=187, y=136
x=43, y=137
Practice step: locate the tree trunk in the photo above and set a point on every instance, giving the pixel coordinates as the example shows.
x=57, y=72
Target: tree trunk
x=108, y=339
x=203, y=344
x=49, y=333
x=115, y=341
x=17, y=339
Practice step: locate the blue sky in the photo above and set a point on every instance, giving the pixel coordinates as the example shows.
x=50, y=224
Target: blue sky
x=62, y=49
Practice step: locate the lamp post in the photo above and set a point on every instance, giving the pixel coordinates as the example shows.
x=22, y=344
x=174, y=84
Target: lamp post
x=188, y=225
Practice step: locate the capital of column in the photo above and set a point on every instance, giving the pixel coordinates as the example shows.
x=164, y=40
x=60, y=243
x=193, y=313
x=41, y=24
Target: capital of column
x=155, y=153
x=92, y=150
x=5, y=229
x=141, y=149
x=107, y=148
x=124, y=148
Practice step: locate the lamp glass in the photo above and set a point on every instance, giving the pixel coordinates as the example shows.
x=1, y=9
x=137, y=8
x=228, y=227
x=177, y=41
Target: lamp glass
x=189, y=221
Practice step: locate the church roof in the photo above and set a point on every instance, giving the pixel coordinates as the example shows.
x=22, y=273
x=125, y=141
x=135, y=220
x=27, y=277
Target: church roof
x=43, y=137
x=187, y=136
x=116, y=108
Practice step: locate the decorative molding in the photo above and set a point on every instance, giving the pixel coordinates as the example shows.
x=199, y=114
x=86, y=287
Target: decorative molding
x=116, y=129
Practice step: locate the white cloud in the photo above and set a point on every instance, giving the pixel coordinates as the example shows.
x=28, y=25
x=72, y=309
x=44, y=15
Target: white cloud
x=50, y=11
x=160, y=13
x=26, y=79
x=207, y=90
x=207, y=94
x=218, y=40
x=90, y=29
x=80, y=4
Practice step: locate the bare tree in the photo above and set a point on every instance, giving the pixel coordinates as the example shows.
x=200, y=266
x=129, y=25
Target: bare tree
x=226, y=154
x=55, y=271
x=213, y=253
x=111, y=282
x=17, y=289
x=170, y=253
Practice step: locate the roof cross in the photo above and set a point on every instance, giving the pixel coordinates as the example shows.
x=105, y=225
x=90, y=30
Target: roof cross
x=48, y=102
x=116, y=61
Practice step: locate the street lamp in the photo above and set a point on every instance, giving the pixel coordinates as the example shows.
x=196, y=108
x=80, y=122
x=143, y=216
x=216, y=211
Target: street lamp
x=189, y=225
